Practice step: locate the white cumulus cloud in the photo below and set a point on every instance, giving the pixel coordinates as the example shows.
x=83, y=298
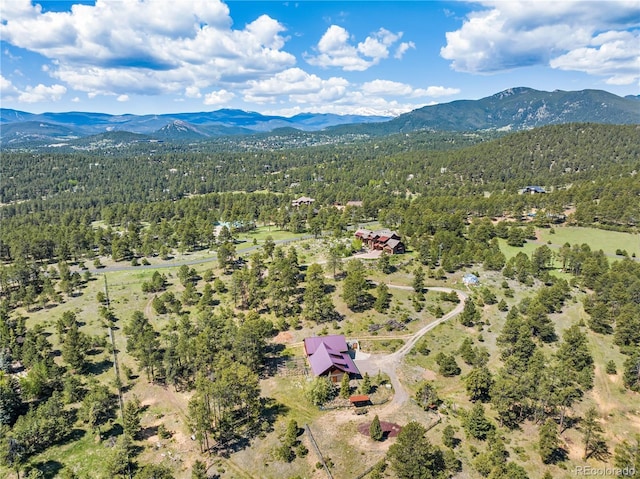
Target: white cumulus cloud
x=7, y=90
x=219, y=97
x=393, y=88
x=41, y=93
x=192, y=92
x=613, y=54
x=403, y=48
x=295, y=91
x=295, y=85
x=570, y=34
x=336, y=49
x=146, y=46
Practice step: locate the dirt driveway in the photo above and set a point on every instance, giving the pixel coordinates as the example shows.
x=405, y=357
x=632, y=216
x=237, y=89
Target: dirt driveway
x=390, y=363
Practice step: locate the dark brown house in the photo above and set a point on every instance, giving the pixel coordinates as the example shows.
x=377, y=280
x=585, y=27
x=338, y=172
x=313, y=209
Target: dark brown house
x=385, y=240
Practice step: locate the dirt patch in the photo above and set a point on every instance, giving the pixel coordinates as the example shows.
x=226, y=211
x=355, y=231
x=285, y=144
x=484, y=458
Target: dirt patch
x=283, y=337
x=372, y=254
x=429, y=375
x=389, y=429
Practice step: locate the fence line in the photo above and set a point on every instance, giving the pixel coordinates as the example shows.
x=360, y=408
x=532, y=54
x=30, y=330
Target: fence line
x=366, y=472
x=350, y=406
x=320, y=456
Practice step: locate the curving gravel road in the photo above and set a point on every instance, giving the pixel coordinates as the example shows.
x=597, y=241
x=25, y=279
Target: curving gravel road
x=390, y=363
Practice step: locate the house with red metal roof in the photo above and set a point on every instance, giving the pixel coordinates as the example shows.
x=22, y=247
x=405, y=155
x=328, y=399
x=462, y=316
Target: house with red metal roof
x=329, y=356
x=385, y=240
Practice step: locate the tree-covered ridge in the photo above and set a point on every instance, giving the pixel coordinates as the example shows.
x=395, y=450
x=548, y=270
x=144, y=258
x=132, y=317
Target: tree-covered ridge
x=513, y=109
x=207, y=331
x=150, y=172
x=418, y=163
x=587, y=167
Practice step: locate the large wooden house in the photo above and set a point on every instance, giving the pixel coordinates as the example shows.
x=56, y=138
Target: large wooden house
x=385, y=240
x=329, y=356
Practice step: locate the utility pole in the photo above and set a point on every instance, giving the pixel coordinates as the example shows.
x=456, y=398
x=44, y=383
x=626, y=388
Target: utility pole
x=116, y=367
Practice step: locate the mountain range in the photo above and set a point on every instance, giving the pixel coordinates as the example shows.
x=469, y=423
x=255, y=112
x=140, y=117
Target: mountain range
x=512, y=109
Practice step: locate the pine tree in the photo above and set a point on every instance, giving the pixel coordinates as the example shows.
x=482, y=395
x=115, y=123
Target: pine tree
x=375, y=429
x=478, y=384
x=594, y=444
x=548, y=441
x=384, y=264
x=470, y=315
x=476, y=423
x=354, y=288
x=199, y=470
x=131, y=417
x=413, y=456
x=575, y=355
x=448, y=365
x=627, y=454
x=74, y=347
x=10, y=401
x=381, y=303
x=98, y=406
x=502, y=306
x=631, y=375
x=448, y=436
x=427, y=396
x=418, y=280
x=12, y=453
x=365, y=386
x=466, y=351
x=345, y=390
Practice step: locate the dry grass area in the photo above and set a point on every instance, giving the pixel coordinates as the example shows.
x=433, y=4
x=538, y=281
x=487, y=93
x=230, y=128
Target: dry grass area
x=618, y=408
x=337, y=432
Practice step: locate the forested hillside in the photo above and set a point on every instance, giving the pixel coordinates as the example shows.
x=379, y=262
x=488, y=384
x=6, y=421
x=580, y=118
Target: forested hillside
x=209, y=279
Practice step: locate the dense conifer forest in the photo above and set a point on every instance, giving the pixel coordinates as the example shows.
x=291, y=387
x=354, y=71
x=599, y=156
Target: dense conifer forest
x=456, y=200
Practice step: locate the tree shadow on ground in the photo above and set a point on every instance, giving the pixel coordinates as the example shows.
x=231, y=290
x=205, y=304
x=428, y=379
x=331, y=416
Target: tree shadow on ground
x=99, y=367
x=74, y=435
x=49, y=469
x=271, y=410
x=147, y=432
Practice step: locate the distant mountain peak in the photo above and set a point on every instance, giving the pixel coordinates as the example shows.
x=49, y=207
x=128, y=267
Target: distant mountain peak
x=514, y=109
x=512, y=92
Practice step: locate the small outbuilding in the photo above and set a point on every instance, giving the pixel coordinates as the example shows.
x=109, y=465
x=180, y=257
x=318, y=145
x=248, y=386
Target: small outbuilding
x=360, y=400
x=470, y=279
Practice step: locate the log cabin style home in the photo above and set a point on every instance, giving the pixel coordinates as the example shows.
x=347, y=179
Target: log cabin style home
x=385, y=240
x=329, y=356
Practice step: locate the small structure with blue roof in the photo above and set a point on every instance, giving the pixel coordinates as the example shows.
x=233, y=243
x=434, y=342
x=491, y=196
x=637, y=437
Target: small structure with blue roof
x=470, y=279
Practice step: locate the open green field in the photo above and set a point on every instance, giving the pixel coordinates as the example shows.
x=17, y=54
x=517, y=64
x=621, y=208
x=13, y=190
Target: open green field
x=597, y=239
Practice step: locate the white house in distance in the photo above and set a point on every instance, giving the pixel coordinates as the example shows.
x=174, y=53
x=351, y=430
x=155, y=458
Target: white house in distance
x=302, y=201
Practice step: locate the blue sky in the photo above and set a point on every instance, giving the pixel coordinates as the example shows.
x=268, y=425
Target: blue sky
x=345, y=57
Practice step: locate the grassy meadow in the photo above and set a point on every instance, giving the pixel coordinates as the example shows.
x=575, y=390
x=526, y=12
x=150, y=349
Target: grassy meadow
x=336, y=432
